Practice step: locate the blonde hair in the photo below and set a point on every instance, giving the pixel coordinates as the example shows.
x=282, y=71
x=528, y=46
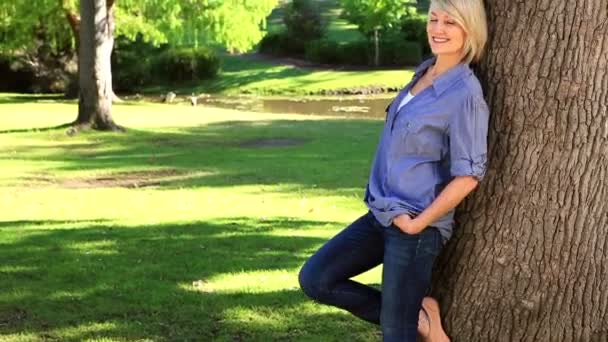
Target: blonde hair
x=471, y=16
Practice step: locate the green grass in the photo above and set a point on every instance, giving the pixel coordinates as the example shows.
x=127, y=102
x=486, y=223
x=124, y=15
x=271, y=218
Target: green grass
x=242, y=75
x=338, y=29
x=180, y=229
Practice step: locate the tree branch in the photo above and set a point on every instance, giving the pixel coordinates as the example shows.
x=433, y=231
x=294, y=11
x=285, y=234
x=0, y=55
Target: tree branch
x=73, y=20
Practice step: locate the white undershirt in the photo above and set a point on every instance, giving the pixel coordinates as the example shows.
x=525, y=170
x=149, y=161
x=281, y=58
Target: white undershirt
x=408, y=97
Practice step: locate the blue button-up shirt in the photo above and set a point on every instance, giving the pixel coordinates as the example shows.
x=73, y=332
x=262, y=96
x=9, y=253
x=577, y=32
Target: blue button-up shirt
x=441, y=133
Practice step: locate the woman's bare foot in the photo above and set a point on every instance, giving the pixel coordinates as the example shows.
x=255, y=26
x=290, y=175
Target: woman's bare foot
x=436, y=332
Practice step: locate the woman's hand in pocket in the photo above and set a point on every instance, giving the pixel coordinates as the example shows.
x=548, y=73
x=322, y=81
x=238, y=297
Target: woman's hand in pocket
x=407, y=224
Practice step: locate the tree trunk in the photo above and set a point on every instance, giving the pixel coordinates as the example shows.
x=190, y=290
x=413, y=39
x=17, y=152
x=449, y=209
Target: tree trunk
x=376, y=48
x=530, y=261
x=74, y=21
x=95, y=74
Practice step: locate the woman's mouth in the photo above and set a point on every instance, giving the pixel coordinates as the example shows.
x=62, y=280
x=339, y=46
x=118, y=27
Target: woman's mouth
x=440, y=40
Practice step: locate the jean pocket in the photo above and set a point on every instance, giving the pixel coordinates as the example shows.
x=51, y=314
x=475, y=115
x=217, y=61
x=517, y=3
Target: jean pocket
x=430, y=241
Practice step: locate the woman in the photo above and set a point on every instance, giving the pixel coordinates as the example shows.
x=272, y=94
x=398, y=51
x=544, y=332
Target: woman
x=431, y=154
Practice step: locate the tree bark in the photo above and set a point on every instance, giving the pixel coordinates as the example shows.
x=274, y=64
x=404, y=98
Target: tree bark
x=95, y=73
x=530, y=260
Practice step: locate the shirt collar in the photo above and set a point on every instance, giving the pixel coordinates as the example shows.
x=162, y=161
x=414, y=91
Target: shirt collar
x=445, y=80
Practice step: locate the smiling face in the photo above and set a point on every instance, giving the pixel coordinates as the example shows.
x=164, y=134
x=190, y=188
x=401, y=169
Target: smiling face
x=445, y=35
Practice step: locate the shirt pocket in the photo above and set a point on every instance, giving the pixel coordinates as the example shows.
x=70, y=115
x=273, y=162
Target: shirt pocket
x=422, y=138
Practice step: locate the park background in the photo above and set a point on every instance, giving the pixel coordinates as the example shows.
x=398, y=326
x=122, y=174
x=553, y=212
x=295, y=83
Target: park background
x=131, y=215
x=191, y=222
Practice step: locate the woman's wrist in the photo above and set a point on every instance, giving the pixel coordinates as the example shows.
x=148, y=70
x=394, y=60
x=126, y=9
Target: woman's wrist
x=407, y=224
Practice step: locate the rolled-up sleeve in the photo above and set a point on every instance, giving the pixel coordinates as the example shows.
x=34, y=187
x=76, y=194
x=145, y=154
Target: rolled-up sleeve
x=468, y=135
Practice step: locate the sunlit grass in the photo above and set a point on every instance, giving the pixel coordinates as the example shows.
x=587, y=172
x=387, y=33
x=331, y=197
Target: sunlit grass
x=202, y=242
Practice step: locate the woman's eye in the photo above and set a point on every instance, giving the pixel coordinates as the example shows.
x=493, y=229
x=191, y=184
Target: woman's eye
x=433, y=20
x=450, y=22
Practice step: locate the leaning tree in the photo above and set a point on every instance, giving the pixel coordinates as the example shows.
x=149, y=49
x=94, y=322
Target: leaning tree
x=529, y=261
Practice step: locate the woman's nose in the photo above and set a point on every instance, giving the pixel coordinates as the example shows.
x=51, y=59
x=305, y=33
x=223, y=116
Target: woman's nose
x=438, y=27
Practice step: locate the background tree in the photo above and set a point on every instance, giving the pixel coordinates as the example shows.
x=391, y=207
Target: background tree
x=235, y=24
x=374, y=16
x=529, y=262
x=95, y=71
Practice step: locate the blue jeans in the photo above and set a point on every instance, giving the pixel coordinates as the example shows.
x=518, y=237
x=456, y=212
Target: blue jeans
x=408, y=262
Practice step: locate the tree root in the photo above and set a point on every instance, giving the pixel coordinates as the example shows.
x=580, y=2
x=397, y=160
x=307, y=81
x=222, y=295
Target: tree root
x=76, y=127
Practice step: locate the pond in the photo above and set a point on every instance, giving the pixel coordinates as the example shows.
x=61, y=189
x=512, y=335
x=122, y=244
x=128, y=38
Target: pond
x=363, y=106
x=352, y=106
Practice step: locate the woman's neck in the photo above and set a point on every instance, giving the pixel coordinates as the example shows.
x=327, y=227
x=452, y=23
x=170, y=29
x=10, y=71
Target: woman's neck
x=444, y=63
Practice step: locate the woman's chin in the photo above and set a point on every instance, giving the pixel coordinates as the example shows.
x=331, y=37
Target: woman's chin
x=444, y=52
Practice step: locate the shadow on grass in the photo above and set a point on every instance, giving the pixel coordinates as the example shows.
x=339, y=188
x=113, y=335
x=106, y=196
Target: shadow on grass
x=29, y=98
x=158, y=282
x=329, y=154
x=38, y=129
x=18, y=223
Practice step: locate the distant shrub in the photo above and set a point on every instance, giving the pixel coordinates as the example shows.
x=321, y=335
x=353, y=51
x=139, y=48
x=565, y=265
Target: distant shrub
x=400, y=53
x=132, y=63
x=330, y=52
x=360, y=53
x=304, y=21
x=178, y=65
x=274, y=44
x=36, y=70
x=324, y=52
x=281, y=44
x=15, y=79
x=413, y=29
x=355, y=53
x=138, y=63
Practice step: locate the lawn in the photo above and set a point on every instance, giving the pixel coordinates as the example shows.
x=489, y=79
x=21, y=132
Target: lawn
x=243, y=75
x=192, y=225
